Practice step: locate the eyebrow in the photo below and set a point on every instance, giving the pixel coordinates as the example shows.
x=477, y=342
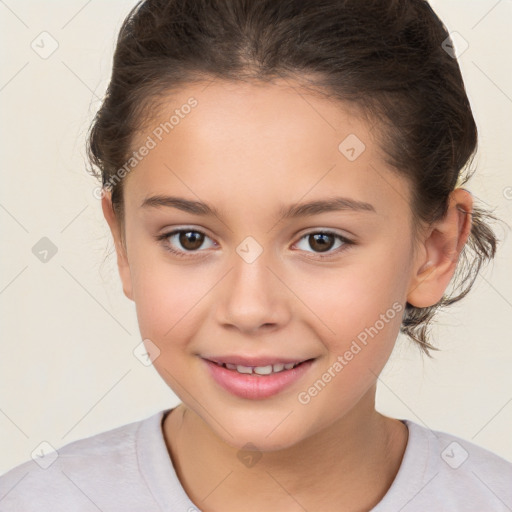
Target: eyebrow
x=295, y=210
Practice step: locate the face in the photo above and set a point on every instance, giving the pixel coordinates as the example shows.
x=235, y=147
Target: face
x=253, y=279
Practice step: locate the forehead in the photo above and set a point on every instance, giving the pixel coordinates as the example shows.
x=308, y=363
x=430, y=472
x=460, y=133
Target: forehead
x=255, y=114
x=250, y=140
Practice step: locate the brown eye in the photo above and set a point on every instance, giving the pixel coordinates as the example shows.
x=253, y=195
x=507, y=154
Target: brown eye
x=321, y=242
x=186, y=242
x=324, y=244
x=191, y=240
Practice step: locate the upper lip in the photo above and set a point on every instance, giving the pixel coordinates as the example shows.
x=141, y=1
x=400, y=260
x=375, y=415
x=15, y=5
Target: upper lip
x=240, y=360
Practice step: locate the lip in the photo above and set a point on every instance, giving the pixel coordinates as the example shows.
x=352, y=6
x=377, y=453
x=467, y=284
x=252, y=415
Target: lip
x=256, y=387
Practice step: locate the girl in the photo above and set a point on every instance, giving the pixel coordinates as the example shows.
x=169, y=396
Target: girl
x=282, y=183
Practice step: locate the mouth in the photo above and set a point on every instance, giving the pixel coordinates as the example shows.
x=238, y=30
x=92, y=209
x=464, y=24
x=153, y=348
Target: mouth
x=261, y=369
x=262, y=379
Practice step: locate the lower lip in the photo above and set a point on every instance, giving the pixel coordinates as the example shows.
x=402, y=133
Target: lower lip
x=256, y=387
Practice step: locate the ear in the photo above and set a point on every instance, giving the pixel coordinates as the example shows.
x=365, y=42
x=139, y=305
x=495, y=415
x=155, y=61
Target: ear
x=122, y=257
x=440, y=251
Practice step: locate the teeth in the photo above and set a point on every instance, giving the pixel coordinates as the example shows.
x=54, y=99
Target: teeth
x=243, y=369
x=261, y=370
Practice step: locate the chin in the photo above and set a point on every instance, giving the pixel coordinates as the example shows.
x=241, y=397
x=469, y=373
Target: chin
x=259, y=431
x=257, y=441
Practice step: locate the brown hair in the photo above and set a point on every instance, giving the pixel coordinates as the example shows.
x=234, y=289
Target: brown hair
x=386, y=57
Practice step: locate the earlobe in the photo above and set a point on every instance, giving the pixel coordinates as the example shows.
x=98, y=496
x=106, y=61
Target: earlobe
x=441, y=250
x=122, y=257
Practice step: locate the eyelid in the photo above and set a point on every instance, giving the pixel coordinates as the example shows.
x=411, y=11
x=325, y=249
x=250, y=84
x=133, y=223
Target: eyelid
x=327, y=231
x=167, y=232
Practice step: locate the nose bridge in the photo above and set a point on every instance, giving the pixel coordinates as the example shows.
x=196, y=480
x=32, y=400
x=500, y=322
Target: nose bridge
x=252, y=296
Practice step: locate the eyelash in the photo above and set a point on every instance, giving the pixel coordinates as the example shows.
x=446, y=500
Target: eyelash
x=187, y=254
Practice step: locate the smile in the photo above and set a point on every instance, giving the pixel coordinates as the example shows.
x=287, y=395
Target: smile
x=261, y=379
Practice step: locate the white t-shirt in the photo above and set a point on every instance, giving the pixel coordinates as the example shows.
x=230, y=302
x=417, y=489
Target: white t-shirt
x=128, y=469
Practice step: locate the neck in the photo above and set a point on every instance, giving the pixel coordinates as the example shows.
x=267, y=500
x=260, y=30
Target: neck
x=348, y=466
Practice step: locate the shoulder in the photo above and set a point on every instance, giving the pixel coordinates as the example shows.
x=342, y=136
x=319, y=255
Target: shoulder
x=79, y=476
x=458, y=459
x=445, y=472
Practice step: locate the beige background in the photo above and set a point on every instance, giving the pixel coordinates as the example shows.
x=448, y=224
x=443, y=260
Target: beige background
x=67, y=369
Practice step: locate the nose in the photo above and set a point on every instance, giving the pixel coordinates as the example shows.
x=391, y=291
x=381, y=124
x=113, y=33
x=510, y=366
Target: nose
x=252, y=298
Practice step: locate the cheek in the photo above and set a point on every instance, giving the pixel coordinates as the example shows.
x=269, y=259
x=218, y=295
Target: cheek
x=353, y=297
x=364, y=311
x=166, y=296
x=358, y=315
